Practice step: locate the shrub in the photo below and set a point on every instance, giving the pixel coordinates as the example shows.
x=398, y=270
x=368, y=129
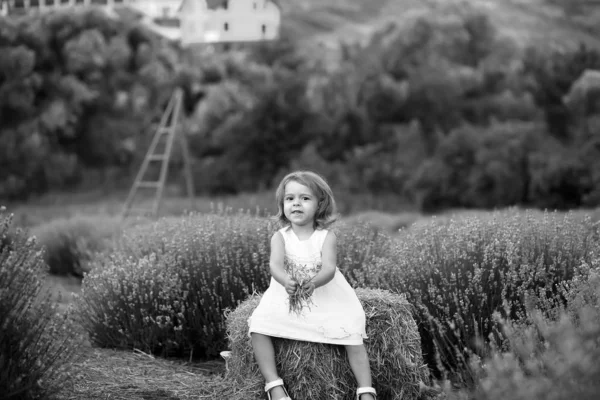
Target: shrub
x=499, y=176
x=549, y=360
x=322, y=371
x=589, y=154
x=271, y=133
x=36, y=343
x=175, y=277
x=118, y=311
x=584, y=291
x=478, y=168
x=551, y=75
x=359, y=244
x=558, y=180
x=168, y=283
x=459, y=272
x=70, y=244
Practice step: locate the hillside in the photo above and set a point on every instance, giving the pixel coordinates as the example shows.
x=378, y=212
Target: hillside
x=324, y=23
x=320, y=25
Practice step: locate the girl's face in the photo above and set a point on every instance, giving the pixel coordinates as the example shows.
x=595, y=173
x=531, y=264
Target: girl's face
x=299, y=204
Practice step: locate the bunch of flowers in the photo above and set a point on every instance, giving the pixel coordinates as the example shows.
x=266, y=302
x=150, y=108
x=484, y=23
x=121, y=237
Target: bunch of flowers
x=303, y=274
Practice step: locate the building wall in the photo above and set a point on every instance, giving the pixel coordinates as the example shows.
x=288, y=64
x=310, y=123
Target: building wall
x=157, y=8
x=235, y=21
x=232, y=21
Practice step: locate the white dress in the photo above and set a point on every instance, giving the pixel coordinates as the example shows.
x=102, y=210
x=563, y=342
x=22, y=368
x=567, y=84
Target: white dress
x=335, y=315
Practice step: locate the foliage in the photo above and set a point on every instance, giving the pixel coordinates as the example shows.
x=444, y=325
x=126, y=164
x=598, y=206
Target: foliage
x=589, y=155
x=71, y=244
x=36, y=343
x=165, y=287
x=552, y=76
x=270, y=133
x=360, y=244
x=118, y=312
x=61, y=77
x=583, y=291
x=558, y=180
x=460, y=272
x=547, y=358
x=83, y=91
x=475, y=168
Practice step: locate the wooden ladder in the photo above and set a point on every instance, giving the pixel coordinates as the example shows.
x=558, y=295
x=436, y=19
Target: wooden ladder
x=167, y=129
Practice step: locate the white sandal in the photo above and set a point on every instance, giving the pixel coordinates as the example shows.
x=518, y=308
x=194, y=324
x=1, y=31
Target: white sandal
x=365, y=390
x=275, y=383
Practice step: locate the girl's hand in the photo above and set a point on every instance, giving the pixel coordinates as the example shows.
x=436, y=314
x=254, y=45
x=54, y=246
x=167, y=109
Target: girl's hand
x=309, y=288
x=290, y=286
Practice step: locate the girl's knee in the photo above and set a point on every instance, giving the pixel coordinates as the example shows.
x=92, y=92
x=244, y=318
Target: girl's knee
x=259, y=339
x=355, y=348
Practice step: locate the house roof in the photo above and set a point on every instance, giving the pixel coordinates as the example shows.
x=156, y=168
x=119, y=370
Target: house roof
x=213, y=4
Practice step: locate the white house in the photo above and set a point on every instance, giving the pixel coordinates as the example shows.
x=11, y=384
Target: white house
x=3, y=8
x=212, y=21
x=190, y=21
x=164, y=9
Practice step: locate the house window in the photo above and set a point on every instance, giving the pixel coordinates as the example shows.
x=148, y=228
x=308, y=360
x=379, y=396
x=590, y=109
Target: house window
x=226, y=26
x=263, y=28
x=254, y=5
x=49, y=2
x=19, y=4
x=34, y=3
x=226, y=4
x=78, y=1
x=64, y=1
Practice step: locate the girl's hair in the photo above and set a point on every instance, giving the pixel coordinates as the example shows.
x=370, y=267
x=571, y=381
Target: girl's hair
x=326, y=209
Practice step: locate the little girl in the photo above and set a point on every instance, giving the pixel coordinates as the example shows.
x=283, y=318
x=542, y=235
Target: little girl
x=305, y=248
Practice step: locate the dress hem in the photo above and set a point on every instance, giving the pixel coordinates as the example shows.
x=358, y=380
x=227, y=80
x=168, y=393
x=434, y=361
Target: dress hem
x=322, y=340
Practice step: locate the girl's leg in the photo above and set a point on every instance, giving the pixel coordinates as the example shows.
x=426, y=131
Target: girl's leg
x=359, y=363
x=265, y=358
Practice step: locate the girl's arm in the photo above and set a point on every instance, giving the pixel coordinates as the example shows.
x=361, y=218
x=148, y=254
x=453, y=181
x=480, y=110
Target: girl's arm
x=328, y=260
x=276, y=264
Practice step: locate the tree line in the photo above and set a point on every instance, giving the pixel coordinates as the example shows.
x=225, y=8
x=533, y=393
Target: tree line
x=445, y=112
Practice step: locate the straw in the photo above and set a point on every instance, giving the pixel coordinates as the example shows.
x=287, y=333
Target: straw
x=310, y=370
x=300, y=299
x=321, y=371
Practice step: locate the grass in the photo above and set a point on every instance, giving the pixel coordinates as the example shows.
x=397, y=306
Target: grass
x=61, y=289
x=134, y=375
x=92, y=204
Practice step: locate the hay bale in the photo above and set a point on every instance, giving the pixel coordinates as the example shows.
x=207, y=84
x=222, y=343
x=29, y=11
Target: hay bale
x=322, y=371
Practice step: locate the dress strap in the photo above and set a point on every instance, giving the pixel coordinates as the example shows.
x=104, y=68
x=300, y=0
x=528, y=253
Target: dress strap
x=285, y=234
x=320, y=236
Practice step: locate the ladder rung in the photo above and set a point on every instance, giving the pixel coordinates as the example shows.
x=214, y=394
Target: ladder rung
x=148, y=184
x=157, y=157
x=168, y=127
